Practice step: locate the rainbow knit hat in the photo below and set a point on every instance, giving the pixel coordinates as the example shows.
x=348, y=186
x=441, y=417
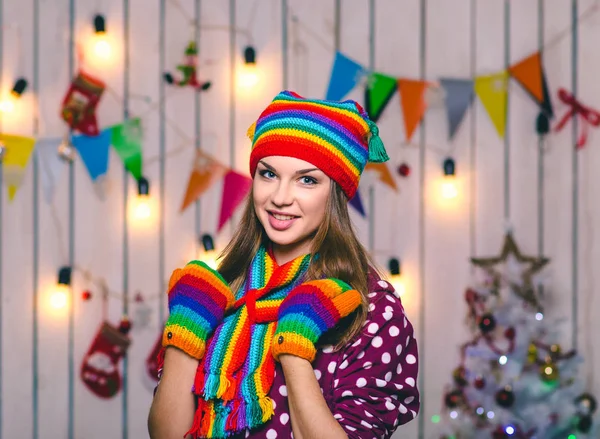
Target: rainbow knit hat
x=337, y=137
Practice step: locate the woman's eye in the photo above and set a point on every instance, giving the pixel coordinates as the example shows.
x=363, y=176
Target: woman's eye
x=309, y=180
x=266, y=173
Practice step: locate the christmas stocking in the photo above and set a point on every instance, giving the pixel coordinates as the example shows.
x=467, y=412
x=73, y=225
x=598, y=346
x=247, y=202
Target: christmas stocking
x=80, y=102
x=99, y=369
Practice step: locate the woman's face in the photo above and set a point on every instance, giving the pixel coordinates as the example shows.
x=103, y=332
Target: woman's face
x=290, y=196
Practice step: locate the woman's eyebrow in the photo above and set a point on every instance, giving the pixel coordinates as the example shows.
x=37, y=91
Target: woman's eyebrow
x=299, y=172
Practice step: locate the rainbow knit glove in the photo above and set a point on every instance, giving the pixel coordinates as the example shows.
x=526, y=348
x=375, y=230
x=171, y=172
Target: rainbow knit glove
x=310, y=310
x=198, y=299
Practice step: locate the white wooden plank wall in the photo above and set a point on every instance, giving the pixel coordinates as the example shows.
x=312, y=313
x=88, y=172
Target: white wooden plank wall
x=498, y=179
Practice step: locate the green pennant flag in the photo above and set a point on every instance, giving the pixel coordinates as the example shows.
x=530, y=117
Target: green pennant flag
x=127, y=141
x=380, y=89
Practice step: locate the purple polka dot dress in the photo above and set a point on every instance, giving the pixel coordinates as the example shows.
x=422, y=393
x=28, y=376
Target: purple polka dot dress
x=370, y=385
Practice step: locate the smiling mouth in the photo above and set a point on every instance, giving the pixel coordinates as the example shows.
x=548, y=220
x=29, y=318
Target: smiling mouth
x=281, y=217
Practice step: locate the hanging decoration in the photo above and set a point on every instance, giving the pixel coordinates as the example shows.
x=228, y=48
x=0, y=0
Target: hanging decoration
x=588, y=116
x=524, y=285
x=205, y=172
x=126, y=139
x=459, y=93
x=93, y=151
x=235, y=188
x=189, y=71
x=356, y=203
x=458, y=96
x=51, y=164
x=80, y=102
x=99, y=368
x=18, y=152
x=346, y=74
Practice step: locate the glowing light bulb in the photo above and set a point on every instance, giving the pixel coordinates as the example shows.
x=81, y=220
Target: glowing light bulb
x=102, y=47
x=449, y=188
x=7, y=105
x=142, y=208
x=248, y=74
x=503, y=360
x=396, y=276
x=59, y=297
x=510, y=430
x=539, y=316
x=490, y=415
x=207, y=253
x=453, y=414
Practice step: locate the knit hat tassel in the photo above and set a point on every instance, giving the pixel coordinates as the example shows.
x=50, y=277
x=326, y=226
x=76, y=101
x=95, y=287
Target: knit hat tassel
x=377, y=153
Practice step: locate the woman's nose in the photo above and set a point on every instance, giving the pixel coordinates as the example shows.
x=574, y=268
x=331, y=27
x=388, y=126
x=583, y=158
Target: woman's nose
x=283, y=195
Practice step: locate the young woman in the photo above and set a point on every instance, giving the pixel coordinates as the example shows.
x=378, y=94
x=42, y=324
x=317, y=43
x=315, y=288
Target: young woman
x=296, y=335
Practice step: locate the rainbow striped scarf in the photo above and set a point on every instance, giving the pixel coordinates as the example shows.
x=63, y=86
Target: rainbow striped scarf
x=235, y=376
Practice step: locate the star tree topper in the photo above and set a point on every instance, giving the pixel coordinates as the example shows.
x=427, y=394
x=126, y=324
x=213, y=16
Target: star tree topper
x=523, y=287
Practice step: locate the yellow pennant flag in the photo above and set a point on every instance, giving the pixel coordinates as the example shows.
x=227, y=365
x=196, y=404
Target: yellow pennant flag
x=493, y=91
x=18, y=153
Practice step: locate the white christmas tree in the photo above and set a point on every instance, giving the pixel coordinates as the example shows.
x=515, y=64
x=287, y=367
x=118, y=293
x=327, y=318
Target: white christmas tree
x=513, y=379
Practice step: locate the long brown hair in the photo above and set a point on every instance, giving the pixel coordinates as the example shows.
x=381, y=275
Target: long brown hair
x=341, y=256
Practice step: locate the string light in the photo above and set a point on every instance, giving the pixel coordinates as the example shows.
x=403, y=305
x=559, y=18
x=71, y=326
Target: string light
x=8, y=104
x=208, y=253
x=396, y=276
x=102, y=47
x=60, y=295
x=449, y=184
x=142, y=209
x=248, y=75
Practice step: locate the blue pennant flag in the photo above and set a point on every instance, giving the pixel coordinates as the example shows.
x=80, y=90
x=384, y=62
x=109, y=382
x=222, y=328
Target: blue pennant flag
x=94, y=151
x=345, y=75
x=50, y=165
x=356, y=202
x=459, y=94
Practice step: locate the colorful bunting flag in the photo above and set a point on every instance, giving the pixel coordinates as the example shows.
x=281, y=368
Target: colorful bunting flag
x=94, y=151
x=459, y=95
x=492, y=91
x=205, y=173
x=50, y=164
x=356, y=202
x=380, y=89
x=235, y=188
x=384, y=174
x=18, y=153
x=127, y=141
x=345, y=75
x=412, y=99
x=530, y=74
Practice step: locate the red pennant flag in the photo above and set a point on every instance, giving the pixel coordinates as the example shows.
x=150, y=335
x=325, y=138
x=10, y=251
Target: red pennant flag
x=412, y=99
x=235, y=188
x=204, y=174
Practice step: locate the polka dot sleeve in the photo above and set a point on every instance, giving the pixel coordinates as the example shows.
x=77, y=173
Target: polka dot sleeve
x=375, y=385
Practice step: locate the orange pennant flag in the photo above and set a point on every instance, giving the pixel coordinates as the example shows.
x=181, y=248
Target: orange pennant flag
x=528, y=72
x=412, y=99
x=385, y=176
x=204, y=173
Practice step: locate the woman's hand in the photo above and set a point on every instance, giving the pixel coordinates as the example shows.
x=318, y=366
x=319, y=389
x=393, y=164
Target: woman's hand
x=172, y=411
x=310, y=310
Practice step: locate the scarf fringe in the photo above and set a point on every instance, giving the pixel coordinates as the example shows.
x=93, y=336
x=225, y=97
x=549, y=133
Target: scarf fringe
x=215, y=385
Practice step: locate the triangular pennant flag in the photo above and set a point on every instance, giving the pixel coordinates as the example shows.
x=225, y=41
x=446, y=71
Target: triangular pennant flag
x=492, y=91
x=235, y=188
x=385, y=176
x=204, y=173
x=458, y=95
x=412, y=99
x=356, y=202
x=127, y=141
x=50, y=165
x=18, y=153
x=345, y=75
x=380, y=89
x=93, y=150
x=529, y=73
